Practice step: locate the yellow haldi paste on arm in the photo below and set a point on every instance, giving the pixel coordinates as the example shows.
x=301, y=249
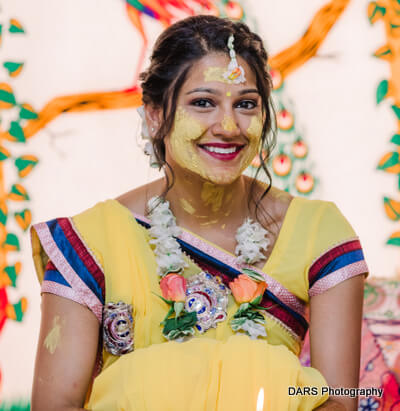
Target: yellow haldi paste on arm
x=53, y=337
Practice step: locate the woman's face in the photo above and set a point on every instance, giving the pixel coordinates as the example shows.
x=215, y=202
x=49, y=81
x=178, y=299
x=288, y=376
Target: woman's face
x=217, y=127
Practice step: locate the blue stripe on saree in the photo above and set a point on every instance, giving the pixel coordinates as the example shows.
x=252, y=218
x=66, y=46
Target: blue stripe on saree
x=56, y=277
x=340, y=262
x=73, y=259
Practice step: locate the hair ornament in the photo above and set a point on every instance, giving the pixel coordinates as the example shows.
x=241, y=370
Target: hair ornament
x=235, y=73
x=148, y=147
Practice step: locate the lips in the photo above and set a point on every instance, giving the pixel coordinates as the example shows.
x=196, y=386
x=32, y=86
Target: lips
x=233, y=150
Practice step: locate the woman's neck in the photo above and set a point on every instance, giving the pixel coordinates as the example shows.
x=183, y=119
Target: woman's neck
x=198, y=204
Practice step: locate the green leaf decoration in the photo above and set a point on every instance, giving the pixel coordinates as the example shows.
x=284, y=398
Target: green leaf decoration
x=395, y=139
x=25, y=164
x=392, y=208
x=396, y=111
x=136, y=4
x=17, y=132
x=374, y=9
x=22, y=405
x=383, y=52
x=253, y=275
x=18, y=193
x=381, y=91
x=182, y=323
x=3, y=215
x=23, y=218
x=27, y=114
x=391, y=160
x=15, y=27
x=4, y=153
x=12, y=242
x=12, y=274
x=13, y=68
x=19, y=309
x=7, y=97
x=394, y=239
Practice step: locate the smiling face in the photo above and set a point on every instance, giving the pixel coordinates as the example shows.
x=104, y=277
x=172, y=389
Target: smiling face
x=218, y=125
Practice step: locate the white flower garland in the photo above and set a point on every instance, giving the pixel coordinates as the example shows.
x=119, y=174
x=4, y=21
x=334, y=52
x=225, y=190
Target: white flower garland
x=163, y=229
x=250, y=238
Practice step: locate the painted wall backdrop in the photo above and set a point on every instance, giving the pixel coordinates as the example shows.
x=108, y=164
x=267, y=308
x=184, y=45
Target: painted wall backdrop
x=70, y=134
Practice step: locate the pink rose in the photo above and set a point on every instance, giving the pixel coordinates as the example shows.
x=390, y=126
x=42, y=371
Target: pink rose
x=245, y=290
x=173, y=287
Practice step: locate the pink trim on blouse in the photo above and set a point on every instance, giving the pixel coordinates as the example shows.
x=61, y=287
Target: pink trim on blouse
x=81, y=290
x=61, y=290
x=336, y=277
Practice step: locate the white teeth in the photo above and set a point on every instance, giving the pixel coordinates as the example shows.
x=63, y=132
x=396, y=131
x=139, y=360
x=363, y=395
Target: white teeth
x=221, y=150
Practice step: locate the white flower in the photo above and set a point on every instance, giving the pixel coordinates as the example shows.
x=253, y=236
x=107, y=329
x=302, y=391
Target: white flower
x=145, y=130
x=250, y=238
x=253, y=329
x=163, y=229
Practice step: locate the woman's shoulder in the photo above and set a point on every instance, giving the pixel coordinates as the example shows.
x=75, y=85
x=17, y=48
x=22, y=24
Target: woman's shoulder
x=136, y=200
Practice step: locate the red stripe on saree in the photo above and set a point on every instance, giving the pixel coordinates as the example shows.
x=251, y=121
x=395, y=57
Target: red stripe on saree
x=82, y=252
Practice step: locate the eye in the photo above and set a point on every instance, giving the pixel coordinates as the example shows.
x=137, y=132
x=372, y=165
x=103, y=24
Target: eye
x=202, y=102
x=247, y=104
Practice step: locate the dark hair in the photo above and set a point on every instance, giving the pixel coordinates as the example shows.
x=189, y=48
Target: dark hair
x=174, y=53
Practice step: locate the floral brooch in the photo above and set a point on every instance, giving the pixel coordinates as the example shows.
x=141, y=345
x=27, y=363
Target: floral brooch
x=118, y=328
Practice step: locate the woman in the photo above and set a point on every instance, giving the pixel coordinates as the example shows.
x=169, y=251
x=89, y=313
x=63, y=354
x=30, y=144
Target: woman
x=189, y=293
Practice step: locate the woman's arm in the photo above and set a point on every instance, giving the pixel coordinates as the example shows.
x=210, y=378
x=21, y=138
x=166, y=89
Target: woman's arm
x=66, y=355
x=335, y=336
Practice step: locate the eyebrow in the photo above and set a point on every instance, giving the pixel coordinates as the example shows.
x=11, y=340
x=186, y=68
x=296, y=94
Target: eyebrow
x=213, y=91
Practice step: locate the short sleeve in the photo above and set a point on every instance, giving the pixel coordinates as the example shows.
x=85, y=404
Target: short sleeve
x=65, y=264
x=337, y=251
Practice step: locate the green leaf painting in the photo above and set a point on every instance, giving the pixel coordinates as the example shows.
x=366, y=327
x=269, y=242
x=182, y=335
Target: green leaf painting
x=395, y=139
x=7, y=97
x=13, y=68
x=394, y=239
x=15, y=27
x=12, y=242
x=396, y=111
x=27, y=113
x=381, y=91
x=17, y=132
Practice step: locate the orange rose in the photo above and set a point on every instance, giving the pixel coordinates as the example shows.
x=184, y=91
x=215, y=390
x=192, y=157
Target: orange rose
x=245, y=290
x=173, y=287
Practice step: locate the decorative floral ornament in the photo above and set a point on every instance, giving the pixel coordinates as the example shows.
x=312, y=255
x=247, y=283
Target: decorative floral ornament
x=148, y=147
x=163, y=229
x=173, y=287
x=234, y=73
x=248, y=290
x=118, y=328
x=202, y=303
x=250, y=238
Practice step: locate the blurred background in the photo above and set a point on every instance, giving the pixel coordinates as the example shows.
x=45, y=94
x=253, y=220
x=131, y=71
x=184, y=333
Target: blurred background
x=70, y=137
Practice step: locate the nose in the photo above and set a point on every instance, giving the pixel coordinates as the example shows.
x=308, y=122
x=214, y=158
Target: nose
x=226, y=127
